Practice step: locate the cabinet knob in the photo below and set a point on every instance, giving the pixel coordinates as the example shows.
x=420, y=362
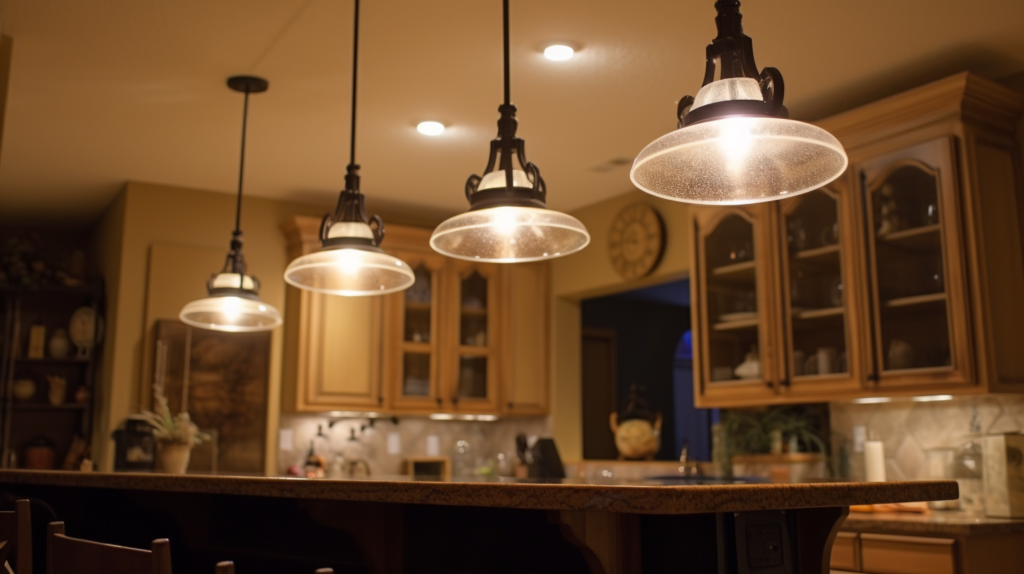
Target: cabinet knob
x=511, y=404
x=784, y=383
x=455, y=399
x=439, y=401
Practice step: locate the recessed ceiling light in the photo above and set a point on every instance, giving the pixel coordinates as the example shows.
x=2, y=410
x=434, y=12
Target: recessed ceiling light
x=430, y=128
x=559, y=52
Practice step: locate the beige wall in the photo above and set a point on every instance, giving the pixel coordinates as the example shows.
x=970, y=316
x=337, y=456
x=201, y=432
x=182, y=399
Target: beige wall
x=145, y=215
x=590, y=274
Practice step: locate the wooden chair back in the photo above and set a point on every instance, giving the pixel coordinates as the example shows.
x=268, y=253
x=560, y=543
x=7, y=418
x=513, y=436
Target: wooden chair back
x=66, y=555
x=228, y=567
x=16, y=537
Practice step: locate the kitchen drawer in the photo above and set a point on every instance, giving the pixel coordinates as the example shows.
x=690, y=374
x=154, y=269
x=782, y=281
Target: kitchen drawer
x=846, y=552
x=887, y=554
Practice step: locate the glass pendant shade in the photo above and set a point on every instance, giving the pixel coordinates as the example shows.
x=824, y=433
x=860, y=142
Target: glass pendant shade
x=735, y=143
x=350, y=263
x=232, y=306
x=350, y=272
x=510, y=234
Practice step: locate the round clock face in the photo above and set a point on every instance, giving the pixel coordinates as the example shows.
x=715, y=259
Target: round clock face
x=637, y=241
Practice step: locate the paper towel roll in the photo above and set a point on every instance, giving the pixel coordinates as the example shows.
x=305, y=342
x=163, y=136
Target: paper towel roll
x=874, y=460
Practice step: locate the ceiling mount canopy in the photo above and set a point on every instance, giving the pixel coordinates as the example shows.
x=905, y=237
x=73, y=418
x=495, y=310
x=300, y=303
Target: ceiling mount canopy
x=508, y=220
x=233, y=303
x=350, y=261
x=735, y=143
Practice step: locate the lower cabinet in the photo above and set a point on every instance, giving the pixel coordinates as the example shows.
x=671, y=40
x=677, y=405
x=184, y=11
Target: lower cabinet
x=875, y=553
x=466, y=339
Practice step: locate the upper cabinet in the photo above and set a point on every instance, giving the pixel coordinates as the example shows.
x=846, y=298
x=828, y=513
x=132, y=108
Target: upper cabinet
x=902, y=277
x=466, y=339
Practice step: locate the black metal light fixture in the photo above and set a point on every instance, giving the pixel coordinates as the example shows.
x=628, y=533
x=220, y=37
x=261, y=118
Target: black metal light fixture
x=234, y=303
x=735, y=143
x=350, y=261
x=508, y=220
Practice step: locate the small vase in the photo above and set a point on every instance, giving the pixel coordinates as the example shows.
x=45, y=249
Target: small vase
x=60, y=345
x=172, y=458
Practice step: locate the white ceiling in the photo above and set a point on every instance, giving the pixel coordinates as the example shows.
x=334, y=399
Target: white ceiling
x=106, y=91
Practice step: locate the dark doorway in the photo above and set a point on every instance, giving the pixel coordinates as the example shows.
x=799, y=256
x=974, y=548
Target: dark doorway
x=633, y=338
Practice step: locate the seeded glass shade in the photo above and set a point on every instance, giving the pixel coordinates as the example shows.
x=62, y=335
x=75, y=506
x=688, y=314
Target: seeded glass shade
x=509, y=234
x=349, y=271
x=738, y=159
x=241, y=312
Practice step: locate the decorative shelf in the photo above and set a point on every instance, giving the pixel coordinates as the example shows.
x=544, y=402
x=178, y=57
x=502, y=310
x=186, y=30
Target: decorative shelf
x=828, y=251
x=914, y=238
x=55, y=361
x=47, y=407
x=915, y=300
x=741, y=268
x=734, y=325
x=420, y=348
x=818, y=313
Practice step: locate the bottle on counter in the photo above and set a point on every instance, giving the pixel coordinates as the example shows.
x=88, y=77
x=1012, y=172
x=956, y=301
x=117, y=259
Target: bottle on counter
x=316, y=466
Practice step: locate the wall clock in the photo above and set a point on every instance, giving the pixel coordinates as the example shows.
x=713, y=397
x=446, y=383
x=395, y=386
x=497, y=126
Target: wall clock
x=636, y=241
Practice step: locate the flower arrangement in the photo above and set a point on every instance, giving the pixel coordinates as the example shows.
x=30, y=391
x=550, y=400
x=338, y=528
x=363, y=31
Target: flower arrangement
x=177, y=429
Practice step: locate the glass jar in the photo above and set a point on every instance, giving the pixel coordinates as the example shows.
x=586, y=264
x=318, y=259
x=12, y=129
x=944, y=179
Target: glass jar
x=967, y=471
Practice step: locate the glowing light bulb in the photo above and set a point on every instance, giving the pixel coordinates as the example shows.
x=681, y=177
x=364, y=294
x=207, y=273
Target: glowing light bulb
x=231, y=308
x=559, y=52
x=505, y=221
x=736, y=138
x=430, y=128
x=348, y=262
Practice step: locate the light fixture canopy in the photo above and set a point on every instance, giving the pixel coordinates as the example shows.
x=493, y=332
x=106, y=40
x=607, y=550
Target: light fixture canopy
x=350, y=261
x=735, y=143
x=508, y=220
x=233, y=304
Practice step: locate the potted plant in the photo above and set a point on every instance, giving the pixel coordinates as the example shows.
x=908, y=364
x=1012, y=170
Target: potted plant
x=175, y=435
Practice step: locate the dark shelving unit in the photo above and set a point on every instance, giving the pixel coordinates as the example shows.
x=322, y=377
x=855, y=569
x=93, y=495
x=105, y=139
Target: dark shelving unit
x=22, y=421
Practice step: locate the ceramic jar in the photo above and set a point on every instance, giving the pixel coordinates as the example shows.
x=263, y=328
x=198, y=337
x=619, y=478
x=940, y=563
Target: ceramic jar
x=60, y=345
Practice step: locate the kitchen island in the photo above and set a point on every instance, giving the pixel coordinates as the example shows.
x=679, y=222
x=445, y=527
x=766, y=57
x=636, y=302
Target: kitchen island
x=394, y=524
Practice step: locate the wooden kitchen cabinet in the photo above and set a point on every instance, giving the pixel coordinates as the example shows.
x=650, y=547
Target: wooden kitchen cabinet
x=466, y=339
x=902, y=277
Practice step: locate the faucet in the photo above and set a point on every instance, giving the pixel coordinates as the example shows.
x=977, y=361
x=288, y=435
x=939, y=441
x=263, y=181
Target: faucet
x=688, y=466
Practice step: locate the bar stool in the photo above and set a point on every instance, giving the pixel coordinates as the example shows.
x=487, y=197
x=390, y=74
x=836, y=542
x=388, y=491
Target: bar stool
x=16, y=537
x=66, y=555
x=228, y=567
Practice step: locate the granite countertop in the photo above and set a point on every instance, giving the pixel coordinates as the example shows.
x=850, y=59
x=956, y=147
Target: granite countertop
x=640, y=497
x=941, y=522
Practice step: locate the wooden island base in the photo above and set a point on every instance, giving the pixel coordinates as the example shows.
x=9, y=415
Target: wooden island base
x=279, y=525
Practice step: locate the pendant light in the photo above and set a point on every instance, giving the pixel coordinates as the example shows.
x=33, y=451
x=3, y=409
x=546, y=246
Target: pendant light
x=735, y=143
x=234, y=303
x=350, y=261
x=508, y=220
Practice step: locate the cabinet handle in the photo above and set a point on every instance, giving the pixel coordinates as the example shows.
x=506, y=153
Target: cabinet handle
x=439, y=401
x=455, y=400
x=784, y=383
x=380, y=400
x=511, y=405
x=770, y=384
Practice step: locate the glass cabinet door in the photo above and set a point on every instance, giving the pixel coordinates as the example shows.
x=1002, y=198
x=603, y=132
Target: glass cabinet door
x=733, y=351
x=816, y=320
x=472, y=378
x=920, y=330
x=415, y=320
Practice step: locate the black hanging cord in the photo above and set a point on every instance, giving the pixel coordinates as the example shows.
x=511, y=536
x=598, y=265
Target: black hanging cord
x=355, y=67
x=508, y=82
x=241, y=165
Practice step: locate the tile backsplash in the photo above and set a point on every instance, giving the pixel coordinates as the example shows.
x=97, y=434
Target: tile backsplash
x=908, y=429
x=485, y=439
